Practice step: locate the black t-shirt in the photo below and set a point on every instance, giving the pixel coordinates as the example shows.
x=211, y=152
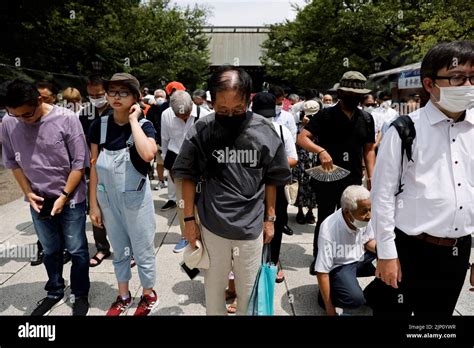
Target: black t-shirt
x=88, y=115
x=154, y=115
x=117, y=137
x=343, y=138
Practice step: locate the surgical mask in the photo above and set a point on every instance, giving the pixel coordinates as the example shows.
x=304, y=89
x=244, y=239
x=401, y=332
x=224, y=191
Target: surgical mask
x=278, y=109
x=98, y=102
x=369, y=109
x=160, y=100
x=327, y=106
x=359, y=223
x=456, y=99
x=386, y=104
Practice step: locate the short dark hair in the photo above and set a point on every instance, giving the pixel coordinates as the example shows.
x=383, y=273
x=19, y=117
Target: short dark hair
x=47, y=85
x=442, y=56
x=310, y=93
x=21, y=92
x=199, y=93
x=95, y=80
x=243, y=85
x=277, y=91
x=3, y=92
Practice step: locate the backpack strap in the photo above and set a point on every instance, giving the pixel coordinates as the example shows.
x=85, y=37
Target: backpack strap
x=104, y=122
x=198, y=111
x=130, y=140
x=281, y=134
x=406, y=130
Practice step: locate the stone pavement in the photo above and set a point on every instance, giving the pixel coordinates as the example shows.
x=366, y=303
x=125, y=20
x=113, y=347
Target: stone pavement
x=21, y=285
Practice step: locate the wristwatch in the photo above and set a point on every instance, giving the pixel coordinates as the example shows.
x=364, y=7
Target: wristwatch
x=270, y=218
x=65, y=193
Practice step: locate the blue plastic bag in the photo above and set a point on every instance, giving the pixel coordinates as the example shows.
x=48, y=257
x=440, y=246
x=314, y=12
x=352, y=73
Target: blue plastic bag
x=261, y=298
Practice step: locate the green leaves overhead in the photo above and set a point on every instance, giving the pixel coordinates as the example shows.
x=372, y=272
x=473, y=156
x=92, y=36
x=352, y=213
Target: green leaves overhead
x=150, y=39
x=329, y=37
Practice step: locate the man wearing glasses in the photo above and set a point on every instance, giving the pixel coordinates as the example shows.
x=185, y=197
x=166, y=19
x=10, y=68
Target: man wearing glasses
x=45, y=148
x=423, y=234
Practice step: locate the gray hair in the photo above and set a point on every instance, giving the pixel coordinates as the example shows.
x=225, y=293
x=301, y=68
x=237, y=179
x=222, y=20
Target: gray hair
x=181, y=103
x=294, y=97
x=159, y=93
x=351, y=195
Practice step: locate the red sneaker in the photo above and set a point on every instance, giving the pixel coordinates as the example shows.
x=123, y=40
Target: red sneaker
x=119, y=306
x=147, y=304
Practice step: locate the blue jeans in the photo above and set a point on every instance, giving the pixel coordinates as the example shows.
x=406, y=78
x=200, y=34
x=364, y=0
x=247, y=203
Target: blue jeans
x=345, y=289
x=69, y=226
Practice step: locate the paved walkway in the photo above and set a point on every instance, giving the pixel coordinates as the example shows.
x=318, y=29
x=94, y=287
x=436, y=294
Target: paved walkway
x=21, y=285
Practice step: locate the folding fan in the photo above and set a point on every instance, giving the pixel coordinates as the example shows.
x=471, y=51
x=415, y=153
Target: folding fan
x=318, y=173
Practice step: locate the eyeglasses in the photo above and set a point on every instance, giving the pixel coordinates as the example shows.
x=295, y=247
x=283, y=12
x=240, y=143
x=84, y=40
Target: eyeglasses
x=121, y=94
x=238, y=111
x=456, y=80
x=25, y=115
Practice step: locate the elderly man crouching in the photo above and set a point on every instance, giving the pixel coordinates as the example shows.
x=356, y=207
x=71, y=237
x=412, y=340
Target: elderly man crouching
x=346, y=249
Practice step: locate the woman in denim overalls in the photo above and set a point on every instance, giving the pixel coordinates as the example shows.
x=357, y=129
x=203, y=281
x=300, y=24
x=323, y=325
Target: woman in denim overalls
x=120, y=196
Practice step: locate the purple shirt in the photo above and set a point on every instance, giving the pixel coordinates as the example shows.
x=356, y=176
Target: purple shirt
x=47, y=151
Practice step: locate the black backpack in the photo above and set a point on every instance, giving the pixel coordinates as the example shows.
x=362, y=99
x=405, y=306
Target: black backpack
x=406, y=130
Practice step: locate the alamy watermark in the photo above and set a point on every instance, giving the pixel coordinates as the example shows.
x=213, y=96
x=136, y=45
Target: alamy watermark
x=227, y=155
x=19, y=252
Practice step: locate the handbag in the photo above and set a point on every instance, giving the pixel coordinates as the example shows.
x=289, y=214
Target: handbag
x=261, y=298
x=170, y=158
x=291, y=189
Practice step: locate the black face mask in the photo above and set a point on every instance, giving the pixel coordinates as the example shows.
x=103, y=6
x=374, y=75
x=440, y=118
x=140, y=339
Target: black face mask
x=350, y=101
x=231, y=123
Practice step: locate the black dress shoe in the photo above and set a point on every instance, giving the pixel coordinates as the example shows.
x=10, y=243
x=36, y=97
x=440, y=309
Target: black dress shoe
x=39, y=259
x=287, y=230
x=66, y=257
x=311, y=268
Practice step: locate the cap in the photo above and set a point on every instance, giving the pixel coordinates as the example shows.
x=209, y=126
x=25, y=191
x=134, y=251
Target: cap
x=311, y=107
x=174, y=85
x=353, y=81
x=263, y=103
x=127, y=79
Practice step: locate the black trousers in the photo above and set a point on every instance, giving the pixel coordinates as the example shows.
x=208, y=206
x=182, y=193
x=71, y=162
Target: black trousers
x=281, y=212
x=432, y=278
x=328, y=199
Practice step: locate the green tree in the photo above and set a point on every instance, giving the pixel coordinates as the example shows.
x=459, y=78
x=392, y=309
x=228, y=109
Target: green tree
x=329, y=37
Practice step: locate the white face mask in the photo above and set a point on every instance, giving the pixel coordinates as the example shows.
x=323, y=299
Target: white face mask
x=160, y=100
x=369, y=109
x=98, y=102
x=359, y=223
x=278, y=109
x=456, y=99
x=326, y=106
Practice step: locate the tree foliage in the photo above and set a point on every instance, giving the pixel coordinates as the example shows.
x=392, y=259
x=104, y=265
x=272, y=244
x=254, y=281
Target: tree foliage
x=153, y=40
x=329, y=37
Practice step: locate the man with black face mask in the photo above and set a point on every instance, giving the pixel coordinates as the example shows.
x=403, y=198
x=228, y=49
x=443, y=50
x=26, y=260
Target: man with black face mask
x=342, y=135
x=239, y=160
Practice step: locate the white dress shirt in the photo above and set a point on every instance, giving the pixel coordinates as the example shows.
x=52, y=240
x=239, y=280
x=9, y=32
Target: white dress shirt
x=286, y=119
x=290, y=146
x=438, y=191
x=340, y=245
x=382, y=115
x=173, y=129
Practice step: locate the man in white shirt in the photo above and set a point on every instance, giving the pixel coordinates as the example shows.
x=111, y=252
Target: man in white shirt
x=283, y=117
x=383, y=114
x=424, y=233
x=346, y=249
x=175, y=123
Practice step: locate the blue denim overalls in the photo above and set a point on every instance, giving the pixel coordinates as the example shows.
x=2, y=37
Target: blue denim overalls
x=128, y=214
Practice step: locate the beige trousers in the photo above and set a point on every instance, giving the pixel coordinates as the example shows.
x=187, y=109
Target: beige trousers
x=243, y=257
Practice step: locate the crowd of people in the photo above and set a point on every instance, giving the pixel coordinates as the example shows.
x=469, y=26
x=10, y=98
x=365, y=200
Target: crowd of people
x=226, y=157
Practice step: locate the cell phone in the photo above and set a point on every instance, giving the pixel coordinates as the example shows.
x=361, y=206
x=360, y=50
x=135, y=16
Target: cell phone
x=45, y=212
x=192, y=273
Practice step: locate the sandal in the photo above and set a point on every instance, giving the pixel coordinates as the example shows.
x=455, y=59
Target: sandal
x=99, y=261
x=280, y=276
x=232, y=308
